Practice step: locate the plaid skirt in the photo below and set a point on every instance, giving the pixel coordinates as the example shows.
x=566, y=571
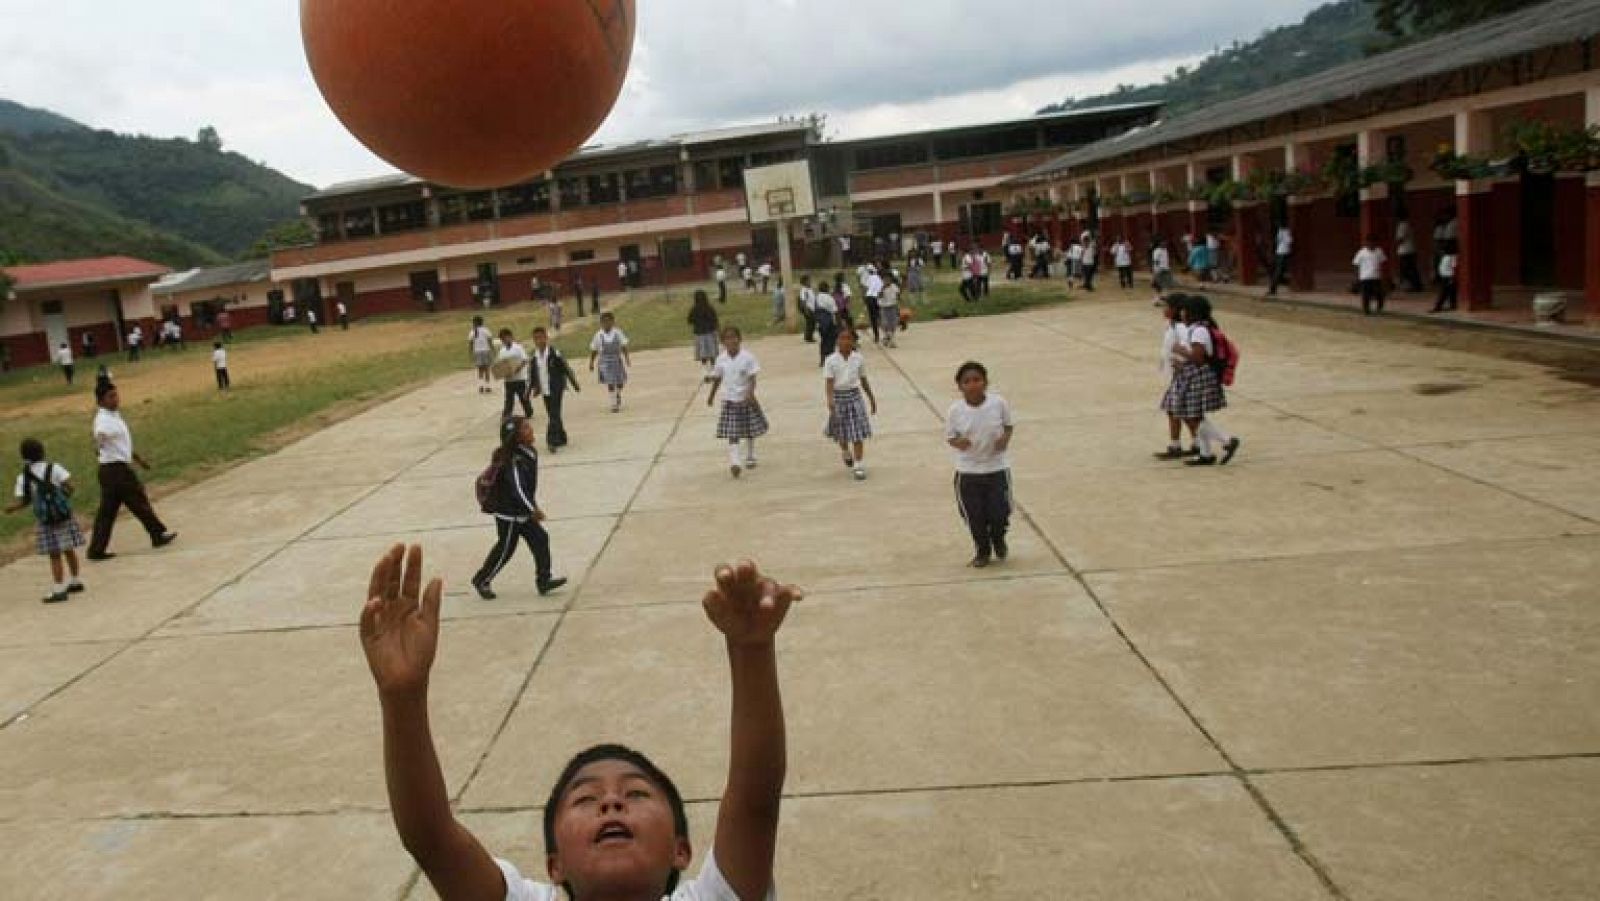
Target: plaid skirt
x=741, y=419
x=849, y=420
x=613, y=373
x=58, y=539
x=1194, y=392
x=705, y=346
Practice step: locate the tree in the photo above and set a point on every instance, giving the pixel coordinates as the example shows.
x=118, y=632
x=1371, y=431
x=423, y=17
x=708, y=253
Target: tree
x=818, y=123
x=209, y=139
x=1414, y=19
x=293, y=233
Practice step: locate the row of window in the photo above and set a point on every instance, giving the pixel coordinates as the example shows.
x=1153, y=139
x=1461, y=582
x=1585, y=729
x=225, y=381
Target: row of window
x=988, y=143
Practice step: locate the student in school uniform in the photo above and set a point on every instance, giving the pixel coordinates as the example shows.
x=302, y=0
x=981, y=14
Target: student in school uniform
x=343, y=312
x=513, y=359
x=135, y=343
x=765, y=274
x=722, y=282
x=47, y=488
x=808, y=308
x=480, y=344
x=704, y=322
x=872, y=290
x=742, y=421
x=219, y=362
x=1173, y=335
x=90, y=350
x=610, y=347
x=1369, y=261
x=849, y=424
x=1447, y=282
x=65, y=361
x=512, y=501
x=978, y=428
x=1196, y=391
x=1074, y=262
x=551, y=377
x=1283, y=253
x=1122, y=257
x=826, y=313
x=889, y=310
x=119, y=485
x=1091, y=259
x=1161, y=268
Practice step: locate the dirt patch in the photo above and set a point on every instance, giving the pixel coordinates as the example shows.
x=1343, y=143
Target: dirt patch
x=1439, y=389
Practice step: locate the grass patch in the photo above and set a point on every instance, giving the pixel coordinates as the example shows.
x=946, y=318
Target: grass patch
x=190, y=431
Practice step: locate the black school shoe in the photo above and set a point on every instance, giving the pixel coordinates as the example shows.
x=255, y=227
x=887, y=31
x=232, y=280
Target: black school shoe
x=164, y=539
x=1201, y=461
x=550, y=585
x=102, y=556
x=483, y=590
x=979, y=562
x=1001, y=551
x=55, y=597
x=1231, y=448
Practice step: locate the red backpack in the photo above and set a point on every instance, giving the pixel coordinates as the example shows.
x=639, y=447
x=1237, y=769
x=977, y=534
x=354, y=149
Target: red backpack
x=1224, y=357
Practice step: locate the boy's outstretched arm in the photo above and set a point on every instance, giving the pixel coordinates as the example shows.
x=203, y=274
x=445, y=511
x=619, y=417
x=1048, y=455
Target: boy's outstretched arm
x=748, y=609
x=400, y=633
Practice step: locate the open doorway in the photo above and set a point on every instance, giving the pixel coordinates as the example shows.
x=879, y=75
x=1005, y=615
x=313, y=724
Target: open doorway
x=1539, y=229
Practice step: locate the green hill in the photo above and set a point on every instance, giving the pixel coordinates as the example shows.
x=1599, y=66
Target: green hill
x=1329, y=36
x=70, y=191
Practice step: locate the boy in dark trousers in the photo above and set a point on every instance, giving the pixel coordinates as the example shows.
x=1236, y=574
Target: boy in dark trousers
x=552, y=375
x=979, y=428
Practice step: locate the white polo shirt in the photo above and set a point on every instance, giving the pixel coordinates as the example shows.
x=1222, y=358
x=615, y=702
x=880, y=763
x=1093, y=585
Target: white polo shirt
x=1369, y=263
x=846, y=373
x=111, y=437
x=984, y=426
x=517, y=354
x=738, y=374
x=710, y=886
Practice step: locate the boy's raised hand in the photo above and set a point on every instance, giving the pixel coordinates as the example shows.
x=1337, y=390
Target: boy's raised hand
x=400, y=622
x=747, y=607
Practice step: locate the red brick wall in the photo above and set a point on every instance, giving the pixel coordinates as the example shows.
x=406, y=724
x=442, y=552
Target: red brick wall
x=26, y=350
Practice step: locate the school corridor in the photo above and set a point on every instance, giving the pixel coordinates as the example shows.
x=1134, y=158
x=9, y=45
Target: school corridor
x=1361, y=662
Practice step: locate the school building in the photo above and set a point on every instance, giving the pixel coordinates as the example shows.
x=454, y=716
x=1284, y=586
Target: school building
x=58, y=303
x=668, y=207
x=1493, y=127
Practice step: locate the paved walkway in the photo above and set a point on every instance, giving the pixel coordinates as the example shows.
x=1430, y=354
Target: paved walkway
x=1363, y=662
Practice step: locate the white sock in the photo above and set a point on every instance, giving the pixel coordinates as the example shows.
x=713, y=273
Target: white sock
x=733, y=453
x=60, y=588
x=1213, y=434
x=1202, y=440
x=750, y=454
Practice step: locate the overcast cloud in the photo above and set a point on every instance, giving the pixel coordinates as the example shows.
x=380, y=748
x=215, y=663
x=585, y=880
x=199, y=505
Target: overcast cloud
x=168, y=67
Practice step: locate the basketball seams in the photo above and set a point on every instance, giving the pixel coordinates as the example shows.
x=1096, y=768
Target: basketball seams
x=609, y=23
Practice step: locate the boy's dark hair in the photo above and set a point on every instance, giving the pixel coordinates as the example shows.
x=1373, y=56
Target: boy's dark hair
x=680, y=819
x=32, y=450
x=971, y=366
x=540, y=330
x=102, y=388
x=608, y=315
x=505, y=333
x=477, y=320
x=1198, y=308
x=217, y=345
x=732, y=328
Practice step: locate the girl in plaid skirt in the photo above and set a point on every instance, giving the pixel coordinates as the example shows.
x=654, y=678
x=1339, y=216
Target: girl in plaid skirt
x=610, y=347
x=1196, y=390
x=848, y=422
x=46, y=487
x=742, y=421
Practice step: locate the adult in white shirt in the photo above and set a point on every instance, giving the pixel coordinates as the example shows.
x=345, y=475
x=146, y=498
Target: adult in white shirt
x=1369, y=262
x=1283, y=251
x=1405, y=248
x=512, y=360
x=119, y=484
x=65, y=361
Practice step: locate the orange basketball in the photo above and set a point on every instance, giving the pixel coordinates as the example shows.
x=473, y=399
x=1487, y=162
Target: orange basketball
x=470, y=93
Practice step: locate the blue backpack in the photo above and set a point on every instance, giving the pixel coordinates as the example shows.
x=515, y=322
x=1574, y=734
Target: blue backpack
x=50, y=504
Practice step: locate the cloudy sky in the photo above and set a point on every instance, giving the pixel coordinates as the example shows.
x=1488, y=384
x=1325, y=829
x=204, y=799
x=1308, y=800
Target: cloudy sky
x=168, y=67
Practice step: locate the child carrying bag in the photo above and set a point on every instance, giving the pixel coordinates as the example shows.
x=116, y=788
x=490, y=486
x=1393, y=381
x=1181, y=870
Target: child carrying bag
x=50, y=504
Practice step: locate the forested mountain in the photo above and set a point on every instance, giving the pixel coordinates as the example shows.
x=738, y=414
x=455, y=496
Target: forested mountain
x=70, y=191
x=1331, y=35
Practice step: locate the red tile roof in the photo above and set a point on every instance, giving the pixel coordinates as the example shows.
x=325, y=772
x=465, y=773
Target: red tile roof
x=77, y=272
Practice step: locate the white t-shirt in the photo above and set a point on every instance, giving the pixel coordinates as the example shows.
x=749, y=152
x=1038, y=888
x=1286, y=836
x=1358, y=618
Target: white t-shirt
x=340, y=308
x=1160, y=259
x=1075, y=253
x=1285, y=242
x=219, y=358
x=765, y=270
x=823, y=300
x=1199, y=334
x=64, y=356
x=622, y=270
x=1369, y=263
x=890, y=296
x=738, y=374
x=984, y=426
x=517, y=353
x=136, y=336
x=1447, y=266
x=873, y=286
x=112, y=438
x=1175, y=335
x=710, y=886
x=482, y=340
x=58, y=475
x=1403, y=241
x=846, y=373
x=1122, y=254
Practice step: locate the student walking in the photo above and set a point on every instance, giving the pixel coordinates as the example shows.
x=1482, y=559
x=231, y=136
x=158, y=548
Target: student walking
x=1405, y=247
x=1160, y=269
x=722, y=282
x=1283, y=252
x=889, y=310
x=1122, y=257
x=1196, y=391
x=1091, y=259
x=780, y=302
x=1074, y=262
x=1447, y=282
x=480, y=344
x=508, y=491
x=808, y=308
x=89, y=349
x=343, y=312
x=552, y=308
x=135, y=343
x=1173, y=335
x=610, y=347
x=849, y=425
x=969, y=278
x=872, y=290
x=742, y=421
x=552, y=375
x=704, y=322
x=219, y=363
x=119, y=485
x=65, y=361
x=916, y=279
x=512, y=361
x=826, y=314
x=311, y=319
x=978, y=427
x=47, y=488
x=1369, y=261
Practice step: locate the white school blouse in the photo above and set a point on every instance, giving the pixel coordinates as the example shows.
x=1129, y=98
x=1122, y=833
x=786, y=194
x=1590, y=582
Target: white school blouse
x=738, y=374
x=710, y=886
x=984, y=426
x=58, y=476
x=846, y=373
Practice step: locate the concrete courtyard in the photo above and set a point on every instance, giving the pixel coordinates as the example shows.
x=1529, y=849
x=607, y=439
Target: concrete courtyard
x=1363, y=662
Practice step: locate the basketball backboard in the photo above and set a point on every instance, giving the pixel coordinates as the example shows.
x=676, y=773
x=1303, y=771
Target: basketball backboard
x=778, y=192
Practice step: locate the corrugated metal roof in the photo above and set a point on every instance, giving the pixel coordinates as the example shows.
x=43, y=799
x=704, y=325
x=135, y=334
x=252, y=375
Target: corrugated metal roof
x=216, y=277
x=66, y=273
x=1549, y=24
x=1086, y=113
